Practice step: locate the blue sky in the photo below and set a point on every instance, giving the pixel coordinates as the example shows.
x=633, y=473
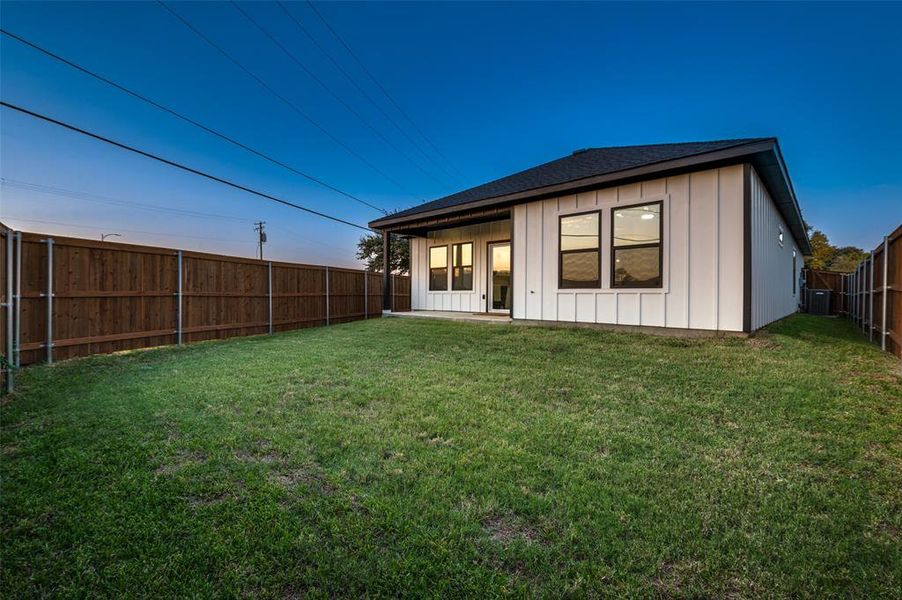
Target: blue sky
x=495, y=87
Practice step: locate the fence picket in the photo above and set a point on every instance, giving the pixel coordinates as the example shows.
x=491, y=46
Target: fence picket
x=111, y=297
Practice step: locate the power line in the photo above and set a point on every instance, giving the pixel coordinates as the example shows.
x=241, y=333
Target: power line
x=102, y=228
x=359, y=88
x=331, y=92
x=288, y=102
x=376, y=81
x=176, y=165
x=67, y=193
x=188, y=120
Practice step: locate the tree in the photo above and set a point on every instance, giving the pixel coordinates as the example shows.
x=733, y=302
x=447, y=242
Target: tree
x=825, y=256
x=821, y=251
x=847, y=259
x=369, y=250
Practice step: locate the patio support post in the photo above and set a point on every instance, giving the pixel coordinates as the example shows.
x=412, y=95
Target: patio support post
x=885, y=292
x=49, y=342
x=386, y=273
x=269, y=293
x=178, y=307
x=366, y=295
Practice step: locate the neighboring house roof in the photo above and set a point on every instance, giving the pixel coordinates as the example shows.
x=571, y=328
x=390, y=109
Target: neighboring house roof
x=597, y=167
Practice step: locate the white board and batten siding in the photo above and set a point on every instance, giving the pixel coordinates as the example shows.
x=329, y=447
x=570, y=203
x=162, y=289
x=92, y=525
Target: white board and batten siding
x=468, y=301
x=773, y=293
x=702, y=256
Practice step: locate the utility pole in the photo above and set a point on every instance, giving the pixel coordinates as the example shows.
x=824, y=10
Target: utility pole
x=261, y=237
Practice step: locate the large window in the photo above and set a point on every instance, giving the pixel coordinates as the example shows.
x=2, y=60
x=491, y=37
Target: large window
x=462, y=266
x=438, y=268
x=580, y=251
x=636, y=246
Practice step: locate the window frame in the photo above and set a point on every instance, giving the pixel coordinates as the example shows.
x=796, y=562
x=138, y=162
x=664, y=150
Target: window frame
x=560, y=252
x=472, y=265
x=659, y=244
x=795, y=277
x=430, y=267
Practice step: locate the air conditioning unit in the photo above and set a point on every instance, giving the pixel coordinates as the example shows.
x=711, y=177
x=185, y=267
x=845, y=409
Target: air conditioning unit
x=819, y=302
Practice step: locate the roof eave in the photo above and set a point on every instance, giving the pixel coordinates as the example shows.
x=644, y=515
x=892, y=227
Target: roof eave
x=773, y=173
x=586, y=182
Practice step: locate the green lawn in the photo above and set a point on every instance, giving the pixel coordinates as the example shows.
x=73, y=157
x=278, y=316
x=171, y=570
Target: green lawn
x=418, y=457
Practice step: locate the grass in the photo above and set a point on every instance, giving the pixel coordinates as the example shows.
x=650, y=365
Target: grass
x=430, y=458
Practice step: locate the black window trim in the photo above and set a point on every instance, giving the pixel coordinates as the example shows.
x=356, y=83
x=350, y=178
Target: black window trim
x=472, y=265
x=595, y=285
x=795, y=276
x=659, y=244
x=429, y=265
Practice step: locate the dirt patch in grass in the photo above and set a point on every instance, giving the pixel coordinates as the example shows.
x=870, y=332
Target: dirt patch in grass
x=761, y=339
x=888, y=530
x=256, y=457
x=182, y=459
x=674, y=579
x=212, y=499
x=505, y=529
x=260, y=452
x=303, y=476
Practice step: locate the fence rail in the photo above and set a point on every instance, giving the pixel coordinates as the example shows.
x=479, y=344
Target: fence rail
x=67, y=297
x=871, y=295
x=876, y=294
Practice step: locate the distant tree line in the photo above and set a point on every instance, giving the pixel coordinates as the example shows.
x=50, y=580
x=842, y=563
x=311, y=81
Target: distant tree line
x=827, y=257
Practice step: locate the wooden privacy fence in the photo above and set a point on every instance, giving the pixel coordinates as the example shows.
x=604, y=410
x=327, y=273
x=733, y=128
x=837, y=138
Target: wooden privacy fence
x=67, y=297
x=816, y=279
x=400, y=294
x=875, y=294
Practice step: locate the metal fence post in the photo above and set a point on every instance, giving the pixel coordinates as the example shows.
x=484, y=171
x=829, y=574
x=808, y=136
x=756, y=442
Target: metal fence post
x=10, y=361
x=49, y=300
x=871, y=303
x=178, y=322
x=18, y=299
x=852, y=282
x=327, y=295
x=842, y=292
x=861, y=284
x=366, y=295
x=883, y=329
x=269, y=293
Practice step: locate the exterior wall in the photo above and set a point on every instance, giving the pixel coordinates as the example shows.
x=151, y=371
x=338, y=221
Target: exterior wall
x=702, y=256
x=772, y=272
x=470, y=301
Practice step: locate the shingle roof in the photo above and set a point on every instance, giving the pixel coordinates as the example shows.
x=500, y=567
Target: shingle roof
x=578, y=165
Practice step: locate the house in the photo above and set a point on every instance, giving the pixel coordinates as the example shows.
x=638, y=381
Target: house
x=699, y=236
